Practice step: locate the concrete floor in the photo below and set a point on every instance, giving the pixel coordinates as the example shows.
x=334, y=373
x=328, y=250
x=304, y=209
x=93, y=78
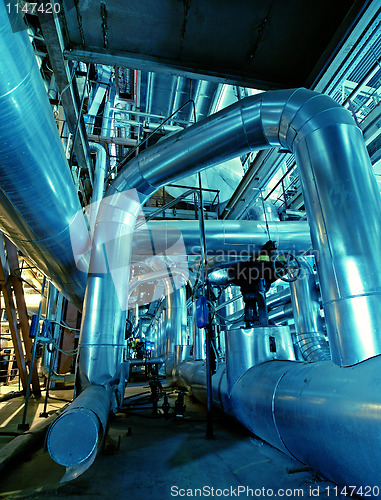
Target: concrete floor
x=164, y=459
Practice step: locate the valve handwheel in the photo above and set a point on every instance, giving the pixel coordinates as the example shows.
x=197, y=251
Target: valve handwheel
x=287, y=267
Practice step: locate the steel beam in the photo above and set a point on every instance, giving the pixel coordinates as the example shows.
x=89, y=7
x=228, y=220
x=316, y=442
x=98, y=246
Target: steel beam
x=67, y=86
x=169, y=66
x=122, y=141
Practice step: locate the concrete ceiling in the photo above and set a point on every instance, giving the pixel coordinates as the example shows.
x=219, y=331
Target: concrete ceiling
x=264, y=44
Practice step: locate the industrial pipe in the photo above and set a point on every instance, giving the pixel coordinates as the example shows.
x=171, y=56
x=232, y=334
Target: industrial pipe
x=175, y=326
x=100, y=171
x=321, y=414
x=328, y=146
x=280, y=313
x=309, y=327
x=38, y=199
x=237, y=239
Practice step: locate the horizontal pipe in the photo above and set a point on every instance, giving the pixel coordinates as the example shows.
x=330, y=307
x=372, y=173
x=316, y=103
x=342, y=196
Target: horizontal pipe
x=280, y=313
x=121, y=141
x=224, y=239
x=148, y=126
x=87, y=418
x=237, y=238
x=320, y=414
x=279, y=298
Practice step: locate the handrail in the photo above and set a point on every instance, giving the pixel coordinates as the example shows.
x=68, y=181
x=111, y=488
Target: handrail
x=170, y=204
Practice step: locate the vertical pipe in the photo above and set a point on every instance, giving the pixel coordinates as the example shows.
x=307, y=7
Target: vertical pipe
x=175, y=325
x=340, y=192
x=308, y=321
x=100, y=171
x=176, y=319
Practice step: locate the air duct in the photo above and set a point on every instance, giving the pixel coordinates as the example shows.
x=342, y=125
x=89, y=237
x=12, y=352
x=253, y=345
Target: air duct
x=37, y=197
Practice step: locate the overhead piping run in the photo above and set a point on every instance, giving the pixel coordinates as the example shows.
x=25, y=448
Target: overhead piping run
x=37, y=197
x=338, y=187
x=239, y=239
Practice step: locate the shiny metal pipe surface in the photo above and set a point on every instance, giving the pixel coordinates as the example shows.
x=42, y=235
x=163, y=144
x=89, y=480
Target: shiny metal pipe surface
x=84, y=421
x=325, y=139
x=193, y=376
x=176, y=320
x=174, y=326
x=229, y=312
x=343, y=205
x=246, y=347
x=237, y=239
x=182, y=353
x=308, y=321
x=280, y=313
x=324, y=415
x=38, y=199
x=279, y=298
x=100, y=171
x=336, y=178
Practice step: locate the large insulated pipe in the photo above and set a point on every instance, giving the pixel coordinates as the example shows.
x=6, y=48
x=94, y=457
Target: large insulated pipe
x=323, y=415
x=338, y=186
x=237, y=239
x=37, y=194
x=309, y=327
x=330, y=154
